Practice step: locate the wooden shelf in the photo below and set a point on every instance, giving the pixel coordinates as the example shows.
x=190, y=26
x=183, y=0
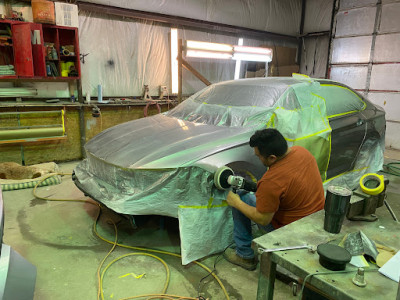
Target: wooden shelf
x=30, y=140
x=37, y=78
x=8, y=77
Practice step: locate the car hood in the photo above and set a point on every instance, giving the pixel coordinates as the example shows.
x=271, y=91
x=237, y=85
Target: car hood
x=163, y=142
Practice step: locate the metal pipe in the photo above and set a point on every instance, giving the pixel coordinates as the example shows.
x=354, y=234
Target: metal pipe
x=331, y=36
x=31, y=112
x=390, y=210
x=181, y=21
x=301, y=41
x=29, y=127
x=82, y=130
x=17, y=134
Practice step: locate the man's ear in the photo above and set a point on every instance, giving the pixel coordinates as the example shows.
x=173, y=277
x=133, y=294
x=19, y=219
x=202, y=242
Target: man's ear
x=272, y=157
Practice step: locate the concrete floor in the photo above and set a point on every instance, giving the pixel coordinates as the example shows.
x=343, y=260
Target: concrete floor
x=58, y=238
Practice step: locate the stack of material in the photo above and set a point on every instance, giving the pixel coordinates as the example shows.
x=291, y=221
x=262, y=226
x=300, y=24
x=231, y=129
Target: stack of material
x=5, y=37
x=7, y=70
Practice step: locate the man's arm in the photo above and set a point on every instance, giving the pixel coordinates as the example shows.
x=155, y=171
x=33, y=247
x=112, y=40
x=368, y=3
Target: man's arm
x=249, y=211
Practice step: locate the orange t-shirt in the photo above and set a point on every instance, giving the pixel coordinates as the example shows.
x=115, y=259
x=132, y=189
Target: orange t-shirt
x=291, y=188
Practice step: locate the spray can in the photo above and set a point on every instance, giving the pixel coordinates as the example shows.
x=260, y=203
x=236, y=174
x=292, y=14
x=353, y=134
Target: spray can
x=99, y=94
x=54, y=53
x=88, y=98
x=48, y=70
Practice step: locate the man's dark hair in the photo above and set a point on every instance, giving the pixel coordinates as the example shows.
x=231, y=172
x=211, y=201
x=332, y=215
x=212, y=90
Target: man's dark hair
x=269, y=142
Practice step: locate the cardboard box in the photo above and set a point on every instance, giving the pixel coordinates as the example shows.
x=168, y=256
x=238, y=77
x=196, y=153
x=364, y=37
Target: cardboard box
x=283, y=70
x=66, y=14
x=260, y=73
x=283, y=56
x=250, y=74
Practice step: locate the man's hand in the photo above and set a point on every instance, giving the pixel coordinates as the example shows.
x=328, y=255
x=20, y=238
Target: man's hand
x=233, y=199
x=249, y=211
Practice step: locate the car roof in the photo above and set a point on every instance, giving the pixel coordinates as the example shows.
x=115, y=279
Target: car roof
x=261, y=92
x=274, y=81
x=262, y=81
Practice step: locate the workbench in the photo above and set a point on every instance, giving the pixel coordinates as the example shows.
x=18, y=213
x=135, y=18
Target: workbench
x=302, y=262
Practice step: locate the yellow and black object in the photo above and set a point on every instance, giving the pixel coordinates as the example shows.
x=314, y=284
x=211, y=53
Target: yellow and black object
x=367, y=198
x=30, y=126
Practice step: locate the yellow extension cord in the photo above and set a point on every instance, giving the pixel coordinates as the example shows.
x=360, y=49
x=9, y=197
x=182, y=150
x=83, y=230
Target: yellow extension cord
x=163, y=295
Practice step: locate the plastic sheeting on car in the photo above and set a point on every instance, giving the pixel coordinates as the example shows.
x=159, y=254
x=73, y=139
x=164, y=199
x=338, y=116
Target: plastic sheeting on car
x=150, y=166
x=232, y=103
x=185, y=193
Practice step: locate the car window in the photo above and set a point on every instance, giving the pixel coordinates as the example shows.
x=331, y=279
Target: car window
x=242, y=103
x=239, y=95
x=219, y=115
x=340, y=100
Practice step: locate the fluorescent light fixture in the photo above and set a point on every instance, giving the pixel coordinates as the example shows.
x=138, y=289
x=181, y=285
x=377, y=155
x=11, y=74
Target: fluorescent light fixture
x=252, y=57
x=252, y=50
x=238, y=62
x=174, y=60
x=208, y=54
x=195, y=45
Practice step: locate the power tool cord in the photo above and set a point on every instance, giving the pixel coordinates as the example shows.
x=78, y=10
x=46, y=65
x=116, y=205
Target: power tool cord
x=212, y=272
x=115, y=243
x=328, y=273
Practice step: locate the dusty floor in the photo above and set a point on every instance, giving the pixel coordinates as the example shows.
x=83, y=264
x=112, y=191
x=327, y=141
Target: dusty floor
x=58, y=238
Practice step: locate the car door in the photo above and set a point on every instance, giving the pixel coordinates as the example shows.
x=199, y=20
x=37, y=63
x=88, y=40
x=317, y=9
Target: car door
x=349, y=128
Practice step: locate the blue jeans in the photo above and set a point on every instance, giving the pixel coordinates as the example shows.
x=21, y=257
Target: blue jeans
x=242, y=231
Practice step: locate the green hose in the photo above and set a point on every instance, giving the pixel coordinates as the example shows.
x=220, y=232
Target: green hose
x=392, y=169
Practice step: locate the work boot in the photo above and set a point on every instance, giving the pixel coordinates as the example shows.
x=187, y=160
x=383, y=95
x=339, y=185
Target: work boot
x=246, y=263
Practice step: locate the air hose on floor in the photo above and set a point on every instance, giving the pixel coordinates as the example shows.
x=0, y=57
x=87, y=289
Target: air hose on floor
x=100, y=278
x=392, y=168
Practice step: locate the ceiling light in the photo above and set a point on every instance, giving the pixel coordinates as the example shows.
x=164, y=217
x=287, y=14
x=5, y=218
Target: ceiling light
x=252, y=50
x=174, y=60
x=196, y=45
x=252, y=57
x=238, y=62
x=208, y=54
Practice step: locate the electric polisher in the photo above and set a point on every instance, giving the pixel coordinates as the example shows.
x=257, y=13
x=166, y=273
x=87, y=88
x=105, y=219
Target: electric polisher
x=224, y=178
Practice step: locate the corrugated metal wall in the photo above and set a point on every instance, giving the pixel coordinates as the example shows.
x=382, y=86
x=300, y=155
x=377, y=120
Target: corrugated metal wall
x=365, y=54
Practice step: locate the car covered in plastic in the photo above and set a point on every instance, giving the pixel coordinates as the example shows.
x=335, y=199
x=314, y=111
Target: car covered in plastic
x=164, y=164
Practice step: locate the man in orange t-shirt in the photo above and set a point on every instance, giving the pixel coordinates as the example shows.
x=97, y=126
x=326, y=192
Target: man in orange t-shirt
x=290, y=190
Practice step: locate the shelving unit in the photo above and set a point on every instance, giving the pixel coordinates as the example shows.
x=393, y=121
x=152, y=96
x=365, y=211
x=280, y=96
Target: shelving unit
x=6, y=51
x=64, y=56
x=25, y=53
x=31, y=47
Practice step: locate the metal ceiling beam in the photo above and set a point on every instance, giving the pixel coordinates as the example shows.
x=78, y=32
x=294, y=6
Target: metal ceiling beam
x=183, y=22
